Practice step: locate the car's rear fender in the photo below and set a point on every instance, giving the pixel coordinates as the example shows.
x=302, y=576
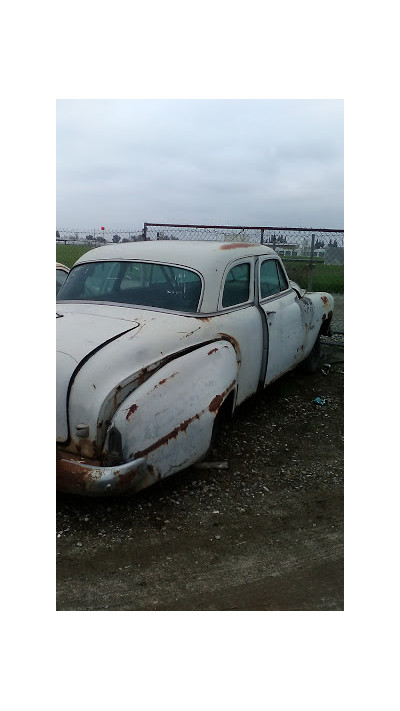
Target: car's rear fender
x=169, y=419
x=317, y=309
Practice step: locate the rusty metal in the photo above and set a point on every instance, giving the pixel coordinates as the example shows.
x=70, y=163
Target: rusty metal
x=236, y=245
x=79, y=476
x=217, y=401
x=131, y=411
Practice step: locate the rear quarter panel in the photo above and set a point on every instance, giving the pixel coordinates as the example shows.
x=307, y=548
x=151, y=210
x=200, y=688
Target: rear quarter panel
x=169, y=419
x=317, y=308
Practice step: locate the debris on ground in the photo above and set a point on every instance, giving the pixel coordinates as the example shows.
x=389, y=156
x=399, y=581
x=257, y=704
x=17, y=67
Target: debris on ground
x=326, y=368
x=320, y=401
x=211, y=465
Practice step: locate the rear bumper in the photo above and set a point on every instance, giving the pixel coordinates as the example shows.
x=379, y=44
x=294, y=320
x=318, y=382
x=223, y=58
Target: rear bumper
x=78, y=476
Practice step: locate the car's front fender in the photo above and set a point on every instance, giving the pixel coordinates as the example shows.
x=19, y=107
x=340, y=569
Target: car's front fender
x=169, y=419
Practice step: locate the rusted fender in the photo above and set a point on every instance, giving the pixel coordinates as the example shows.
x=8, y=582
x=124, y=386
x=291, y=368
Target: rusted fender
x=316, y=309
x=169, y=419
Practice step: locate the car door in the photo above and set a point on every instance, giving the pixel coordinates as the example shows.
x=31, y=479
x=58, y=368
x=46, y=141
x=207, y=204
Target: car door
x=280, y=304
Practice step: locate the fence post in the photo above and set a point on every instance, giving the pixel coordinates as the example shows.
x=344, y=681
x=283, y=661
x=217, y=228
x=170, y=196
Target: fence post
x=262, y=235
x=145, y=231
x=310, y=264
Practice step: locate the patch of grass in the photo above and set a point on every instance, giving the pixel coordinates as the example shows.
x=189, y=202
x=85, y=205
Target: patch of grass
x=68, y=253
x=325, y=277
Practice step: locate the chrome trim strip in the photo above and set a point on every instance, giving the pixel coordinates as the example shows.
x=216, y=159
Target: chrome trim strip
x=186, y=314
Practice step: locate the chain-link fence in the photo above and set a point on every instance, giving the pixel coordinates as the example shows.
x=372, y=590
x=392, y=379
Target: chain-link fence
x=71, y=244
x=314, y=258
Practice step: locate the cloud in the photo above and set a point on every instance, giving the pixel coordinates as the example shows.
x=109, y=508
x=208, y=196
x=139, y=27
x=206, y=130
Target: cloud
x=237, y=162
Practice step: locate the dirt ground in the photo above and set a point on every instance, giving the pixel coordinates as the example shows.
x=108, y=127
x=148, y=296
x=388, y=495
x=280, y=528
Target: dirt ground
x=266, y=533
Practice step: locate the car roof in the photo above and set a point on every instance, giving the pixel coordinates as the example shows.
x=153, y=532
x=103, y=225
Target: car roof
x=195, y=254
x=211, y=259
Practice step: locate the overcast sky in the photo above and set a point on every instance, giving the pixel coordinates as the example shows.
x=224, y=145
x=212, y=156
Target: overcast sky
x=232, y=162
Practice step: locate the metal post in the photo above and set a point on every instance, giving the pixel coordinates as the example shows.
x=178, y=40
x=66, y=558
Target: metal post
x=310, y=264
x=145, y=231
x=262, y=235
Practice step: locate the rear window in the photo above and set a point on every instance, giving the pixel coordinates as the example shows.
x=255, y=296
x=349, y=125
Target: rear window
x=134, y=283
x=237, y=286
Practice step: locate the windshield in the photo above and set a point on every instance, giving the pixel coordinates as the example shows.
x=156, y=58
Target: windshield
x=139, y=283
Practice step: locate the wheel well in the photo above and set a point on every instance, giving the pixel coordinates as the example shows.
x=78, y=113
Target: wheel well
x=326, y=325
x=226, y=410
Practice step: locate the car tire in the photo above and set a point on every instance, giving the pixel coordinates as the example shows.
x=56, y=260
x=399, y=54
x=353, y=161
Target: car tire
x=311, y=363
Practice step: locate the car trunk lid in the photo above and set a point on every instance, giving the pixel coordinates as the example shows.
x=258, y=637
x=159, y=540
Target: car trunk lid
x=79, y=335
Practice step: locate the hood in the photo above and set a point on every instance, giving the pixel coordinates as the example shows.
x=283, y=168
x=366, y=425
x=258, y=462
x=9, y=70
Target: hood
x=78, y=336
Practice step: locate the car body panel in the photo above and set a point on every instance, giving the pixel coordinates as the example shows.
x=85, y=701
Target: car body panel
x=137, y=381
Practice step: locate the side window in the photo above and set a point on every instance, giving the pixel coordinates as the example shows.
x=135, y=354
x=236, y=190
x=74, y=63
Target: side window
x=269, y=279
x=282, y=278
x=237, y=286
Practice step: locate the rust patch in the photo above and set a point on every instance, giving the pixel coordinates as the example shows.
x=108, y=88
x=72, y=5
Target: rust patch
x=213, y=350
x=206, y=319
x=237, y=245
x=190, y=333
x=164, y=440
x=214, y=405
x=124, y=480
x=70, y=476
x=216, y=402
x=235, y=344
x=170, y=378
x=325, y=300
x=131, y=411
x=164, y=380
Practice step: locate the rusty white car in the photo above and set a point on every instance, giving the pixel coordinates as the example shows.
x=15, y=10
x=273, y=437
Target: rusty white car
x=156, y=341
x=61, y=275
